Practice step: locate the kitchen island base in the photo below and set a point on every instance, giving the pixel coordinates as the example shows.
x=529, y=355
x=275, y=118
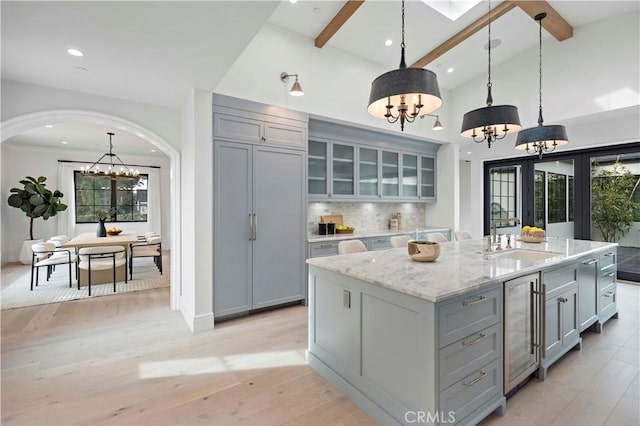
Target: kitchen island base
x=403, y=359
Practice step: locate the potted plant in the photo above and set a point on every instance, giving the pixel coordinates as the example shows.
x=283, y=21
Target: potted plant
x=612, y=207
x=103, y=215
x=35, y=200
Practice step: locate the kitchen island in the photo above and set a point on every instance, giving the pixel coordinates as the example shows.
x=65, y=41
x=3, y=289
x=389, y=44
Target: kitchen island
x=414, y=342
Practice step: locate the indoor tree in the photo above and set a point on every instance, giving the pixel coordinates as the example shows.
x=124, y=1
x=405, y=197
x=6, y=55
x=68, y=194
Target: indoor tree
x=35, y=200
x=612, y=207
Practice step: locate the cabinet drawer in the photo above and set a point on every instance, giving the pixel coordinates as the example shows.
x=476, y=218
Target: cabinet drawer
x=237, y=128
x=607, y=276
x=608, y=297
x=460, y=359
x=607, y=259
x=324, y=249
x=560, y=277
x=466, y=315
x=378, y=243
x=473, y=390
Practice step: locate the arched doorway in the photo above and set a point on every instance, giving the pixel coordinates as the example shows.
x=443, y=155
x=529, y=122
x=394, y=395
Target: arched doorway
x=23, y=123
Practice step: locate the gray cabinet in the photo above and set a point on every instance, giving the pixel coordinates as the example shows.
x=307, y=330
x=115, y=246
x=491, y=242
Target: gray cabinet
x=607, y=288
x=258, y=129
x=331, y=170
x=560, y=323
x=259, y=226
x=422, y=235
x=588, y=291
x=427, y=177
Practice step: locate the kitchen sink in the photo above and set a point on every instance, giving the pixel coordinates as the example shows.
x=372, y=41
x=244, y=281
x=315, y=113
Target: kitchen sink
x=524, y=255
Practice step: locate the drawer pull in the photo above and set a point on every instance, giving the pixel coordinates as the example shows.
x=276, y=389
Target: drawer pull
x=608, y=294
x=476, y=380
x=325, y=245
x=472, y=342
x=589, y=262
x=479, y=300
x=563, y=299
x=610, y=274
x=608, y=254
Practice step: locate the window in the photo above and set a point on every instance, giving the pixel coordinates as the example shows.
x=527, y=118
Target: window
x=557, y=203
x=503, y=194
x=129, y=198
x=539, y=196
x=570, y=199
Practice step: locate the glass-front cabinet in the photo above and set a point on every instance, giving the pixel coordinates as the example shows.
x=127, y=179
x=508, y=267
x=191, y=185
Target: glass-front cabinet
x=390, y=174
x=343, y=171
x=427, y=177
x=368, y=172
x=317, y=168
x=409, y=175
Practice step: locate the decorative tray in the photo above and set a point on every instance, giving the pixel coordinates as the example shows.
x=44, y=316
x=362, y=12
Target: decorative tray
x=345, y=231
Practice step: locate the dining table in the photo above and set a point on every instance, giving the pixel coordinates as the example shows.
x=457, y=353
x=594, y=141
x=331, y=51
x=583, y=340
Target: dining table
x=89, y=239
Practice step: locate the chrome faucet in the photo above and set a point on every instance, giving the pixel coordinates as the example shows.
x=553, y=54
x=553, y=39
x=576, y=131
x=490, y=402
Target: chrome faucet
x=495, y=222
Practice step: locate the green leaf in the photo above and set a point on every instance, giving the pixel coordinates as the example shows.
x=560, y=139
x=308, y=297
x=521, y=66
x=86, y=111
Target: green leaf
x=15, y=200
x=40, y=209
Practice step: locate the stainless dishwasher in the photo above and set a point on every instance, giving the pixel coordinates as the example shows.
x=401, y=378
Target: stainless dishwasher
x=522, y=307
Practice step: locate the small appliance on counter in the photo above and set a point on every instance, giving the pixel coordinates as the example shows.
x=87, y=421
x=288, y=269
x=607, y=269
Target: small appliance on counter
x=329, y=223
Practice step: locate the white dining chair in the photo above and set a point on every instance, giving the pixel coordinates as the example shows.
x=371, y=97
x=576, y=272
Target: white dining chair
x=150, y=247
x=46, y=254
x=102, y=258
x=436, y=237
x=398, y=241
x=351, y=246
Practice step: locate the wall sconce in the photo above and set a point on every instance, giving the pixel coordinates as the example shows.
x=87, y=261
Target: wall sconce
x=437, y=125
x=296, y=89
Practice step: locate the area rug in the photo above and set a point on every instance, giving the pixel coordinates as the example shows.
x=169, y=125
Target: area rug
x=17, y=295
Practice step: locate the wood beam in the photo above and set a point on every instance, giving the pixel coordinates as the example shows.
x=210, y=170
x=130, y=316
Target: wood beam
x=467, y=32
x=338, y=21
x=554, y=23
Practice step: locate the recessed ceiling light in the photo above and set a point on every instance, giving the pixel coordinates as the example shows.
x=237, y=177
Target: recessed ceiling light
x=494, y=43
x=469, y=152
x=293, y=1
x=48, y=126
x=75, y=52
x=64, y=142
x=450, y=70
x=153, y=150
x=389, y=42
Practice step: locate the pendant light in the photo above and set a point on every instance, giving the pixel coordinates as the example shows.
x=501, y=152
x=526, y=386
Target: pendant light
x=490, y=123
x=115, y=171
x=405, y=93
x=541, y=139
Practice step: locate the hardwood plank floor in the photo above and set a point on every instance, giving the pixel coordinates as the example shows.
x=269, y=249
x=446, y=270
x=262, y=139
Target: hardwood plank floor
x=127, y=359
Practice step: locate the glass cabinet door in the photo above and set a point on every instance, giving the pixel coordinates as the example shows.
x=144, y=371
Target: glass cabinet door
x=317, y=170
x=390, y=174
x=409, y=176
x=343, y=170
x=427, y=177
x=368, y=172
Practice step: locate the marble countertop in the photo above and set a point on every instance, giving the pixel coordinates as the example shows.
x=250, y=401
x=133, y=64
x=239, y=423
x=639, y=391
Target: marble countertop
x=315, y=238
x=461, y=267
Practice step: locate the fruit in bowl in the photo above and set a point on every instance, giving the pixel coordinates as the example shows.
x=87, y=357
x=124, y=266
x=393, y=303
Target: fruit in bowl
x=114, y=231
x=532, y=234
x=344, y=229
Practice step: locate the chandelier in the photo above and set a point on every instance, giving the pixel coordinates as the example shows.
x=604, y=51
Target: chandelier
x=490, y=123
x=541, y=139
x=114, y=171
x=405, y=93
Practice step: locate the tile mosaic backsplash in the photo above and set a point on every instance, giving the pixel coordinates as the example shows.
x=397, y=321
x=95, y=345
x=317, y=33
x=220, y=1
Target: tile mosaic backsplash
x=367, y=217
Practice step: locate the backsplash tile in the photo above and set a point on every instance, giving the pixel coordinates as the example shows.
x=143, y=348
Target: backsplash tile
x=367, y=217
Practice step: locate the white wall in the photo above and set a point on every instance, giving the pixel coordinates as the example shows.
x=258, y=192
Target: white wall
x=18, y=162
x=465, y=196
x=446, y=211
x=196, y=236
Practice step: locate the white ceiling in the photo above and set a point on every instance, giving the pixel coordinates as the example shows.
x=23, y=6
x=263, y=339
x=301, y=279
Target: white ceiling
x=157, y=51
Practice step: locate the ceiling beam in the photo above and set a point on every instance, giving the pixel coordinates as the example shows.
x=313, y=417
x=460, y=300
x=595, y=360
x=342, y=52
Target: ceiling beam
x=338, y=21
x=554, y=23
x=465, y=33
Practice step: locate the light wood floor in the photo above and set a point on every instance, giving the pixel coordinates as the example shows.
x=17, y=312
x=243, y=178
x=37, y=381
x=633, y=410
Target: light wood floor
x=128, y=359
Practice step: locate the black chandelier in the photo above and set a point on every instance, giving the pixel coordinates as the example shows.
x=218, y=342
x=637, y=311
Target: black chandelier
x=541, y=139
x=113, y=171
x=405, y=93
x=490, y=123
